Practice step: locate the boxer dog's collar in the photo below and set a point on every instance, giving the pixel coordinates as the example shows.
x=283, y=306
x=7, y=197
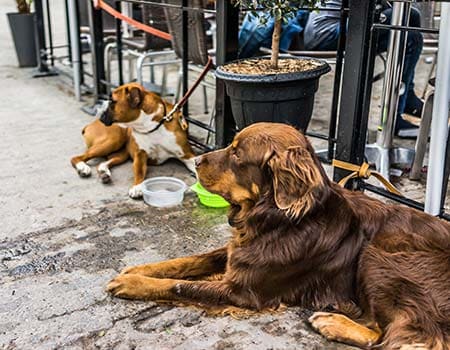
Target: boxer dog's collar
x=168, y=117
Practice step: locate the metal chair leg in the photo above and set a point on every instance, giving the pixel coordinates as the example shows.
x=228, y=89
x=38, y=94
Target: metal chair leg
x=139, y=67
x=430, y=73
x=205, y=99
x=109, y=57
x=152, y=72
x=422, y=139
x=164, y=81
x=179, y=83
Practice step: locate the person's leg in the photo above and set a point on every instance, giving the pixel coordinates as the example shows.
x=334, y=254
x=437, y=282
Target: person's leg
x=414, y=46
x=413, y=104
x=409, y=101
x=253, y=35
x=325, y=41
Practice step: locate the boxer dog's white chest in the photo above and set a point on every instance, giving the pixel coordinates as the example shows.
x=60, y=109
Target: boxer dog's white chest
x=160, y=145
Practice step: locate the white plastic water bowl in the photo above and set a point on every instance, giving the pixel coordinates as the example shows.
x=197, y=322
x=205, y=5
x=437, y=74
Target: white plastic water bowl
x=163, y=191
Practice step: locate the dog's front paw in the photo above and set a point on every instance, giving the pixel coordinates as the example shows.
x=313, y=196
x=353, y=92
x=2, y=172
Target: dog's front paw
x=104, y=173
x=140, y=287
x=83, y=169
x=135, y=192
x=128, y=287
x=337, y=327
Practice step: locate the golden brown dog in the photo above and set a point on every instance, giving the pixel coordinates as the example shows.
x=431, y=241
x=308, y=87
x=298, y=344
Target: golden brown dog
x=135, y=113
x=300, y=239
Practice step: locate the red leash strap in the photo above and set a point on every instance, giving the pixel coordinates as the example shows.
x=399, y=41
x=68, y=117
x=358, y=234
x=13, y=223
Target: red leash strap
x=183, y=100
x=100, y=4
x=193, y=87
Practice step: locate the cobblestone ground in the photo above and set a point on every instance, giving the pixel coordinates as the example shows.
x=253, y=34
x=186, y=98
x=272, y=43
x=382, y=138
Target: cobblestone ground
x=62, y=238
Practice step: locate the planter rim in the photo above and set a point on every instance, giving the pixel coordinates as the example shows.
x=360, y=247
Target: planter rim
x=20, y=13
x=277, y=77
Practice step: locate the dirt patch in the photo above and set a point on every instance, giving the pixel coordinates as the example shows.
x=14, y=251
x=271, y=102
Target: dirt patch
x=100, y=240
x=263, y=67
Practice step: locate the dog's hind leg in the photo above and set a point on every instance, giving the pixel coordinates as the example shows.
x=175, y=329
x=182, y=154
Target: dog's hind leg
x=404, y=332
x=337, y=327
x=181, y=268
x=103, y=169
x=96, y=150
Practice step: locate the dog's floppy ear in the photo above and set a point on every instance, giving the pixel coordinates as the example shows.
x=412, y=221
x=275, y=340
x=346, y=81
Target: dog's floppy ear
x=134, y=96
x=296, y=179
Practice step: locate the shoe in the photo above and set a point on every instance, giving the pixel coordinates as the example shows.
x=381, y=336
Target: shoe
x=414, y=105
x=405, y=129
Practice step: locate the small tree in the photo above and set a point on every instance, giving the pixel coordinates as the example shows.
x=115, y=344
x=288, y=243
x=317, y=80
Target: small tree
x=23, y=6
x=281, y=11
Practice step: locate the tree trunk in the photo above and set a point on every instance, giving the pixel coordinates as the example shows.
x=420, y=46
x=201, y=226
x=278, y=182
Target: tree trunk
x=276, y=44
x=23, y=6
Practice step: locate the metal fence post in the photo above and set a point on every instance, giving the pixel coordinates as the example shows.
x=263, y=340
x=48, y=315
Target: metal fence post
x=439, y=121
x=97, y=51
x=42, y=69
x=356, y=85
x=227, y=46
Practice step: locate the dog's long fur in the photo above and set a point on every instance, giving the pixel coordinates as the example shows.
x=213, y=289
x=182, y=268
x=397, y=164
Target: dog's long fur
x=300, y=239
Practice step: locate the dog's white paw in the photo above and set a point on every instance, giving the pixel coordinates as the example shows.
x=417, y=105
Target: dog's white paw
x=104, y=173
x=83, y=169
x=135, y=192
x=190, y=164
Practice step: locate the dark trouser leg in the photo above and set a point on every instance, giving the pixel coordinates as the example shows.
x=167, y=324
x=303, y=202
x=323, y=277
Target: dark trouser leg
x=414, y=45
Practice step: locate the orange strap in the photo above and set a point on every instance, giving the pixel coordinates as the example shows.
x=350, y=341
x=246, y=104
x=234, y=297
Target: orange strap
x=100, y=4
x=363, y=171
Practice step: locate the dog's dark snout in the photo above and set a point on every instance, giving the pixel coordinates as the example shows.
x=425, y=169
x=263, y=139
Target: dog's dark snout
x=106, y=116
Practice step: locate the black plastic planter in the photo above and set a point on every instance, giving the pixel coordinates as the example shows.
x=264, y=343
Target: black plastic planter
x=22, y=30
x=283, y=98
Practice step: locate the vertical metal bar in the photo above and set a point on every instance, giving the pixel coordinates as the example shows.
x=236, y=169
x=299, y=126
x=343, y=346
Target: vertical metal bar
x=227, y=17
x=50, y=35
x=78, y=35
x=185, y=56
x=337, y=80
x=97, y=50
x=40, y=36
x=446, y=176
x=439, y=121
x=118, y=6
x=356, y=85
x=392, y=83
x=69, y=44
x=75, y=49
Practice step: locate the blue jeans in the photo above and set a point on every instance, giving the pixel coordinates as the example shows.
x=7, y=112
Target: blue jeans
x=254, y=35
x=414, y=45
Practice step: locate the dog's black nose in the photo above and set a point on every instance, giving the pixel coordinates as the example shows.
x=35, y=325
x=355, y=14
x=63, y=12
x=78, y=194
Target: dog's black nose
x=198, y=161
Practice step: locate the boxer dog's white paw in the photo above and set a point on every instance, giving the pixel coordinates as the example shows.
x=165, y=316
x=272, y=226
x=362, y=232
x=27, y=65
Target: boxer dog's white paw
x=83, y=169
x=104, y=173
x=190, y=164
x=135, y=192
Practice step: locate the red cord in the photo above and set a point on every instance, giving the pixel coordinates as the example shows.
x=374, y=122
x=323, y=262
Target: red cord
x=163, y=35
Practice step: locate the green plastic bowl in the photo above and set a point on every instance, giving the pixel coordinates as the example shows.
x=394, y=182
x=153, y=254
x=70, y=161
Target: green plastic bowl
x=207, y=198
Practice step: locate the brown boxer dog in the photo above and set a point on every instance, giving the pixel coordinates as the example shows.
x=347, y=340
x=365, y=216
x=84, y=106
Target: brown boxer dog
x=129, y=126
